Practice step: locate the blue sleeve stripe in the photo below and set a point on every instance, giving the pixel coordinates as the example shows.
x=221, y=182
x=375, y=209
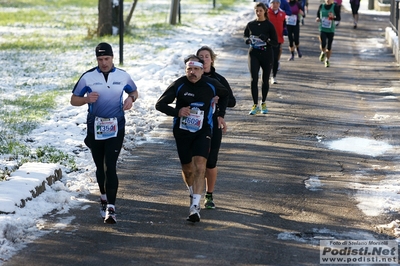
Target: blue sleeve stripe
x=210, y=116
x=212, y=87
x=85, y=90
x=179, y=88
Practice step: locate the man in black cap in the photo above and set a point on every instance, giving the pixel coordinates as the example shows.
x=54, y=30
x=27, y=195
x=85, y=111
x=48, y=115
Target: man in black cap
x=102, y=88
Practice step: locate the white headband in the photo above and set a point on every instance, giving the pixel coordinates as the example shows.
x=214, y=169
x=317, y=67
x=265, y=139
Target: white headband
x=194, y=63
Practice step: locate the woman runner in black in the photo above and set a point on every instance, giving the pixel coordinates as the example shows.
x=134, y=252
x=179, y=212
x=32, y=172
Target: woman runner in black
x=260, y=35
x=208, y=56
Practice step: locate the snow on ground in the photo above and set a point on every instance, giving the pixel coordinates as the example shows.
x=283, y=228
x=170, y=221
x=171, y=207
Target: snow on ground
x=152, y=69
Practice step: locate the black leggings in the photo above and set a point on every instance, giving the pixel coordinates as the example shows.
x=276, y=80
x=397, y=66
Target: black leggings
x=215, y=144
x=354, y=8
x=326, y=36
x=275, y=64
x=293, y=34
x=105, y=155
x=264, y=59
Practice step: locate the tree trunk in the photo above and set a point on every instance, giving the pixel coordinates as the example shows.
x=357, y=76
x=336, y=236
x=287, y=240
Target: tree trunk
x=104, y=26
x=173, y=14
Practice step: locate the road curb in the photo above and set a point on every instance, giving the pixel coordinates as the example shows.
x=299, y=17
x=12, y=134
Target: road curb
x=26, y=183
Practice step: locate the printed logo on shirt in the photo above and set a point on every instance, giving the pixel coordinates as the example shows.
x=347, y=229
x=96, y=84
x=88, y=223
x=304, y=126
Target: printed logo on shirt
x=116, y=82
x=97, y=83
x=188, y=94
x=197, y=104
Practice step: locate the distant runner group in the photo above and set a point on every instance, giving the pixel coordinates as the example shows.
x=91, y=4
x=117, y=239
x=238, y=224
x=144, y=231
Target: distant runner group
x=265, y=37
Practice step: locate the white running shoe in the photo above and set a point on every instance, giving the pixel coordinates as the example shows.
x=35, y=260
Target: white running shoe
x=110, y=217
x=103, y=208
x=273, y=80
x=194, y=214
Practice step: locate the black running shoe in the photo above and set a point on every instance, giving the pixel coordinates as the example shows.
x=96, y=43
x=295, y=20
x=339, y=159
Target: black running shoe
x=209, y=202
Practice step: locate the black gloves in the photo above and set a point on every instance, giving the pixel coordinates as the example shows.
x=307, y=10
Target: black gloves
x=263, y=37
x=248, y=41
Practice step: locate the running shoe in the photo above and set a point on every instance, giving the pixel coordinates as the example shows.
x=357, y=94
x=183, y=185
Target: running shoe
x=355, y=26
x=291, y=58
x=254, y=110
x=326, y=63
x=322, y=57
x=209, y=202
x=103, y=208
x=264, y=109
x=110, y=216
x=273, y=80
x=299, y=54
x=194, y=214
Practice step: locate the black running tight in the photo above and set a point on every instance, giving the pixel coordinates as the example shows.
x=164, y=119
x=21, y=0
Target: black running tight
x=294, y=34
x=264, y=59
x=276, y=50
x=105, y=155
x=324, y=37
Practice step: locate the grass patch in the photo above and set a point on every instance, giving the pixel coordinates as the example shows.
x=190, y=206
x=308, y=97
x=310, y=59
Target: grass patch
x=63, y=25
x=49, y=154
x=12, y=147
x=23, y=114
x=55, y=3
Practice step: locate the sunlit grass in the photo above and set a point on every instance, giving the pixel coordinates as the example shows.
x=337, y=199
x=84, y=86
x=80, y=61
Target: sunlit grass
x=42, y=42
x=53, y=3
x=23, y=114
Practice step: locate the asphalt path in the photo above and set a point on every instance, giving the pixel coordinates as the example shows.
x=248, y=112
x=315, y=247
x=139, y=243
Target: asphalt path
x=261, y=197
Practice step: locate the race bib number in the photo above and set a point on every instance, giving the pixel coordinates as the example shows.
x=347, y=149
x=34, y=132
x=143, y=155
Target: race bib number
x=105, y=128
x=326, y=23
x=193, y=122
x=291, y=20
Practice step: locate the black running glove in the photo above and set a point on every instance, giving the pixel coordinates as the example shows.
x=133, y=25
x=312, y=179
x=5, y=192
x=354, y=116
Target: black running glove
x=263, y=37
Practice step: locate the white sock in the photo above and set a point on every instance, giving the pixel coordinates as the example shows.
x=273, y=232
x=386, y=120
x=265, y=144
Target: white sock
x=196, y=199
x=103, y=197
x=190, y=188
x=110, y=206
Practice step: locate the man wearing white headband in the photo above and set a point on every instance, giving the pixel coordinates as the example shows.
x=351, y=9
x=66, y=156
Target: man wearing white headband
x=193, y=95
x=194, y=64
